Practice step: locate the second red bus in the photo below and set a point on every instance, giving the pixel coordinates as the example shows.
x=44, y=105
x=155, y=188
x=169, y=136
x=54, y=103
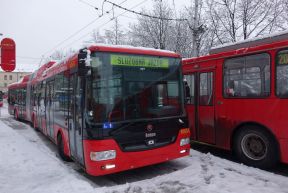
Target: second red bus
x=237, y=99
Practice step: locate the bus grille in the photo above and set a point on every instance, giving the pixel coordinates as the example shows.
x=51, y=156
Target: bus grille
x=143, y=145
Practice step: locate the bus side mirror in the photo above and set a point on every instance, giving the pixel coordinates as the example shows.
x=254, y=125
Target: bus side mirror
x=83, y=59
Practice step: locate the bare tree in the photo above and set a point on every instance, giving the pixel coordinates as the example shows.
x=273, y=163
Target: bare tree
x=234, y=20
x=197, y=25
x=116, y=35
x=154, y=32
x=202, y=25
x=96, y=37
x=282, y=21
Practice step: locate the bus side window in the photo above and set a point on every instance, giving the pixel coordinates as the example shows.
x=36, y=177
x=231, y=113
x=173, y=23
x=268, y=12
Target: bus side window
x=250, y=76
x=206, y=89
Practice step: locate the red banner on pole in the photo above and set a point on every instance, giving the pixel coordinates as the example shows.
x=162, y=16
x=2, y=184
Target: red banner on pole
x=8, y=55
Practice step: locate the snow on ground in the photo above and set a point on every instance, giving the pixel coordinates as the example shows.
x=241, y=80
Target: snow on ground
x=28, y=164
x=26, y=168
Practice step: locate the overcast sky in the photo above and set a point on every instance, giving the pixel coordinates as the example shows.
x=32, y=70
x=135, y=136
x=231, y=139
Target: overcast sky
x=39, y=27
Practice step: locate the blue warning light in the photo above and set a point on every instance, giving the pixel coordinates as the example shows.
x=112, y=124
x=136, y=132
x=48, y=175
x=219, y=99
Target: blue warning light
x=107, y=125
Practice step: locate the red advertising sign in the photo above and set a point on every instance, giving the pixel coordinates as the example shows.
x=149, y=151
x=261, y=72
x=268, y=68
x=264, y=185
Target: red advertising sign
x=8, y=53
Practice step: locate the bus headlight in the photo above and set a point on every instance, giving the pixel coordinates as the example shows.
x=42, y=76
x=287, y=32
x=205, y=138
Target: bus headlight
x=103, y=155
x=184, y=141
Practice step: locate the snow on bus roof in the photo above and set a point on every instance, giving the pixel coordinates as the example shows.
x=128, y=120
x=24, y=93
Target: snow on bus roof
x=251, y=42
x=15, y=83
x=70, y=55
x=21, y=80
x=129, y=47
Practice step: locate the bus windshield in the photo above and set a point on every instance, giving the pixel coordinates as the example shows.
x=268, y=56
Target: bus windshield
x=125, y=87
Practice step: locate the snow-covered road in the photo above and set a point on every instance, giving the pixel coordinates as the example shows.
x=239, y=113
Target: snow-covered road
x=29, y=164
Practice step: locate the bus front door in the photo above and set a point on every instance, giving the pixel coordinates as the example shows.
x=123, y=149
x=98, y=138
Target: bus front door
x=200, y=106
x=76, y=119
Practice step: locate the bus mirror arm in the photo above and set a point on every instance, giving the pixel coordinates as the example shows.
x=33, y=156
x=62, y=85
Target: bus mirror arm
x=83, y=60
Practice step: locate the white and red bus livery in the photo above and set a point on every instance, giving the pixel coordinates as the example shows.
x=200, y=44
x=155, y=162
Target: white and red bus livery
x=108, y=108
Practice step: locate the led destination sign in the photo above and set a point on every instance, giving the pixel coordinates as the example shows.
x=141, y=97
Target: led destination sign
x=139, y=61
x=283, y=58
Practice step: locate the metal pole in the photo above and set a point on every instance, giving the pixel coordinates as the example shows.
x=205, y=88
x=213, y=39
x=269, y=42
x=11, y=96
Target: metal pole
x=195, y=28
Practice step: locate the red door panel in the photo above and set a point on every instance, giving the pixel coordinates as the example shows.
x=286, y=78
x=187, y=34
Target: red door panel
x=200, y=108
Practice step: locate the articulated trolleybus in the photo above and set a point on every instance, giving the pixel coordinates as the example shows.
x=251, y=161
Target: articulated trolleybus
x=237, y=99
x=108, y=108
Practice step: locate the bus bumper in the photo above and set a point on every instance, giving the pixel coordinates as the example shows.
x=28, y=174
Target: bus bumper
x=130, y=160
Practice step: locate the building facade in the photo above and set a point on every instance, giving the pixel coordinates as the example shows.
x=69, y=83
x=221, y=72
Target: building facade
x=7, y=78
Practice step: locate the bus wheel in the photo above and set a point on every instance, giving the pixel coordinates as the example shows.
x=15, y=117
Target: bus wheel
x=256, y=147
x=60, y=145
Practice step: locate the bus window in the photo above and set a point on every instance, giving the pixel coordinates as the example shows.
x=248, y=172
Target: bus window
x=189, y=84
x=130, y=93
x=206, y=89
x=247, y=76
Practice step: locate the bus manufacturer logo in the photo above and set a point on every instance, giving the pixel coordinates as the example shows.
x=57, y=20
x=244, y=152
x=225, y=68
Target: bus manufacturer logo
x=147, y=135
x=151, y=142
x=149, y=127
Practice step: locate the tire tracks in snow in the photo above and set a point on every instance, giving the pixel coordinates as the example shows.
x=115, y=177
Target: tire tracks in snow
x=49, y=148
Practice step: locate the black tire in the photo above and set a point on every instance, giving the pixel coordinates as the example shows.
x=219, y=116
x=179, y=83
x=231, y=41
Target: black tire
x=60, y=145
x=254, y=146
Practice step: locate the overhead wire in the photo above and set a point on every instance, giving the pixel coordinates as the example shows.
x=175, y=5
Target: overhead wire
x=78, y=31
x=128, y=17
x=144, y=14
x=85, y=35
x=89, y=4
x=107, y=12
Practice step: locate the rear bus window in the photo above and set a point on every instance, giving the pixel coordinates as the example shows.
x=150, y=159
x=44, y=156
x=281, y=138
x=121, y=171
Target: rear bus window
x=247, y=76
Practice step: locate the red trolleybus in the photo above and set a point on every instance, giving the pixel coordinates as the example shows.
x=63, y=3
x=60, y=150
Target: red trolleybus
x=237, y=99
x=112, y=108
x=17, y=98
